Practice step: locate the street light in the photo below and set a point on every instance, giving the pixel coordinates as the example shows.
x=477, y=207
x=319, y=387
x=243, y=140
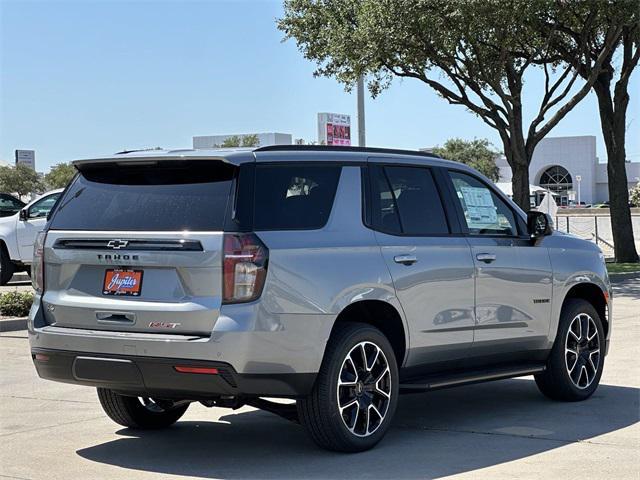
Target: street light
x=578, y=179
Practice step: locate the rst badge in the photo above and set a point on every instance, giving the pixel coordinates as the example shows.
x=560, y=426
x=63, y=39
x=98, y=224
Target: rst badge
x=122, y=282
x=163, y=325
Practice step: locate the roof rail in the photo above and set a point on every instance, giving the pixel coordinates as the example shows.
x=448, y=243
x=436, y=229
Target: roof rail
x=341, y=148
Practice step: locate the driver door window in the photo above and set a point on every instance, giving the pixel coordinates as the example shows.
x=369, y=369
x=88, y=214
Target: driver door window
x=484, y=212
x=29, y=228
x=42, y=207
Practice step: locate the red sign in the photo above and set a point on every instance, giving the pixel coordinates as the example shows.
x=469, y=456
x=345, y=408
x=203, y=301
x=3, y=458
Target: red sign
x=338, y=134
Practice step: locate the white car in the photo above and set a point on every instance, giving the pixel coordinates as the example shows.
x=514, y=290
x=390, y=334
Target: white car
x=18, y=232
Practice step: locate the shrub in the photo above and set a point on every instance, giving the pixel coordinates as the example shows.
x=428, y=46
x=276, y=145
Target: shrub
x=15, y=304
x=634, y=195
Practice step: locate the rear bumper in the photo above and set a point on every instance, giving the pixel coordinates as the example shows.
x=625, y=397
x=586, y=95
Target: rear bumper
x=157, y=377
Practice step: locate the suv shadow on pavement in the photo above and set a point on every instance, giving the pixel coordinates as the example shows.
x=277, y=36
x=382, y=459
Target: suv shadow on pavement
x=433, y=435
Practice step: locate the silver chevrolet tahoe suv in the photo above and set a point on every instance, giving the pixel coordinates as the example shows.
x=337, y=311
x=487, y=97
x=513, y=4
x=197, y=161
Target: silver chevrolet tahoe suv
x=336, y=277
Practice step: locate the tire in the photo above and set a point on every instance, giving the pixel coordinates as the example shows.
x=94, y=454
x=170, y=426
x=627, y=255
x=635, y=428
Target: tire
x=139, y=413
x=7, y=268
x=576, y=361
x=376, y=383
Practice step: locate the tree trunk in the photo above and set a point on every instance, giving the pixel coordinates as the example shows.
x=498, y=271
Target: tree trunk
x=520, y=184
x=519, y=161
x=518, y=157
x=613, y=113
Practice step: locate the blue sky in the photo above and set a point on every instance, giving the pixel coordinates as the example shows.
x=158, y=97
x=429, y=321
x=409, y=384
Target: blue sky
x=84, y=78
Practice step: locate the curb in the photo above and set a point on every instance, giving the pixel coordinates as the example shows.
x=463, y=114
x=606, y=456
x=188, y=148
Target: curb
x=13, y=324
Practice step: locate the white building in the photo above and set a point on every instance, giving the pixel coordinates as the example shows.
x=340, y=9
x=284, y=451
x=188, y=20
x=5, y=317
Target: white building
x=569, y=167
x=265, y=139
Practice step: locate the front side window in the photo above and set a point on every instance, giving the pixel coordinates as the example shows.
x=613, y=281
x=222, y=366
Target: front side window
x=406, y=201
x=484, y=212
x=294, y=196
x=42, y=207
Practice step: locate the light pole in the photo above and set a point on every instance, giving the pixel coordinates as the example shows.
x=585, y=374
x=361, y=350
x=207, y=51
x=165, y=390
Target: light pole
x=578, y=179
x=361, y=135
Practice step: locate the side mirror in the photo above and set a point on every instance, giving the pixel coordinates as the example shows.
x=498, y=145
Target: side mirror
x=24, y=215
x=539, y=224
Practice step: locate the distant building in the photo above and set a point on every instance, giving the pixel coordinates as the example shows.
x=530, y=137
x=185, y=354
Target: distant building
x=265, y=139
x=568, y=165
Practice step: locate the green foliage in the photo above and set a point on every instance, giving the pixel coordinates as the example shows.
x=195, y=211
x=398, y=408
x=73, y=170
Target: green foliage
x=250, y=140
x=60, y=175
x=232, y=141
x=476, y=153
x=634, y=195
x=15, y=304
x=21, y=180
x=473, y=53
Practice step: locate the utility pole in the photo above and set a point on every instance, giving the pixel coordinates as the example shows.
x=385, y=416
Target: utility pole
x=361, y=135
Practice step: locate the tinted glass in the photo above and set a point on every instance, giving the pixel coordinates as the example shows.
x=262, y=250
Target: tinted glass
x=7, y=201
x=9, y=205
x=42, y=207
x=166, y=196
x=384, y=212
x=294, y=196
x=408, y=201
x=484, y=212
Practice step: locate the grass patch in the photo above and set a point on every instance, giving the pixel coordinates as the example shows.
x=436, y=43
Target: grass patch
x=623, y=267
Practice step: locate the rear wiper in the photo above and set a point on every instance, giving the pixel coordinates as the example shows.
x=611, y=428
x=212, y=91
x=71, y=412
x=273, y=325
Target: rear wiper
x=75, y=195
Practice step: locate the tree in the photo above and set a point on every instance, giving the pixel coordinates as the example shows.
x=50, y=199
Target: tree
x=20, y=179
x=634, y=195
x=476, y=153
x=60, y=175
x=231, y=142
x=251, y=140
x=472, y=53
x=611, y=89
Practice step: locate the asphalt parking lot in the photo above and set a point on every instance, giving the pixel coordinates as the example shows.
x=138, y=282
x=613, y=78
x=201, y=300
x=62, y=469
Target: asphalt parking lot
x=503, y=429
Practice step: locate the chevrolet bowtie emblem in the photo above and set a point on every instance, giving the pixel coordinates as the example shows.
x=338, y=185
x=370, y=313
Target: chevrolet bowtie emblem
x=117, y=244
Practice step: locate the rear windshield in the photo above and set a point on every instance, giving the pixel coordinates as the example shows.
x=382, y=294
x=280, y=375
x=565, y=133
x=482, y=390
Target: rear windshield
x=163, y=196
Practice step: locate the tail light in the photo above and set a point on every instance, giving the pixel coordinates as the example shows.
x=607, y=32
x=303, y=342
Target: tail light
x=244, y=267
x=37, y=267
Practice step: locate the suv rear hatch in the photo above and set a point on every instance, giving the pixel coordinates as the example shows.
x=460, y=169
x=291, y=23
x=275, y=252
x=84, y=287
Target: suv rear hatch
x=137, y=246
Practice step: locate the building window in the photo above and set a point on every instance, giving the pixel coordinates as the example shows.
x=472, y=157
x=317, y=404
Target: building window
x=557, y=179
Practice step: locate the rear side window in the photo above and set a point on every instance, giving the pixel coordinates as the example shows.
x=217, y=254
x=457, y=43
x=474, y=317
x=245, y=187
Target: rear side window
x=7, y=202
x=406, y=201
x=294, y=196
x=165, y=196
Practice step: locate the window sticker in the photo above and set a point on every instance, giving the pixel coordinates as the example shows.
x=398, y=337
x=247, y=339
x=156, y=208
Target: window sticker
x=481, y=211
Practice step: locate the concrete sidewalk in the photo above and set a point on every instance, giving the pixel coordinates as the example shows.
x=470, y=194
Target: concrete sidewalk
x=499, y=430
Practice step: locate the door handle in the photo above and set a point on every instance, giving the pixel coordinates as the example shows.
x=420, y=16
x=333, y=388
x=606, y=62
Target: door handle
x=405, y=259
x=116, y=317
x=486, y=257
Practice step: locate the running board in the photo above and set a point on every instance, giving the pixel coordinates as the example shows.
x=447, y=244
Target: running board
x=435, y=381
